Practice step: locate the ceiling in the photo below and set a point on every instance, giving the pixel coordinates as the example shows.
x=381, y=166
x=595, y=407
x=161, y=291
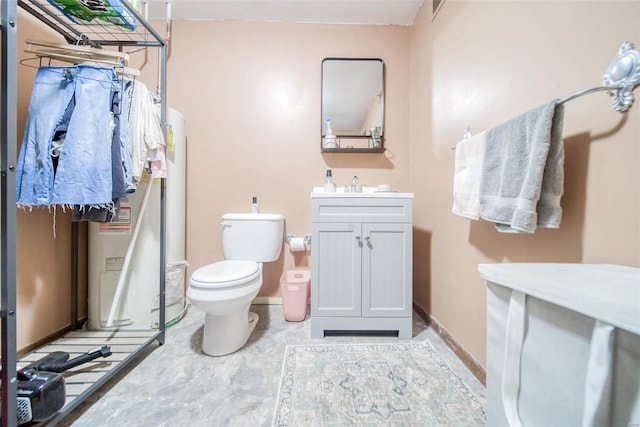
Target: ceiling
x=382, y=12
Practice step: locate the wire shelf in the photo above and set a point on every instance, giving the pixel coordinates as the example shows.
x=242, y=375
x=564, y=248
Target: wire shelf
x=95, y=33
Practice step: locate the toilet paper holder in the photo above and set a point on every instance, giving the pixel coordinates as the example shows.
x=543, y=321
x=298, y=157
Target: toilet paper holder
x=307, y=239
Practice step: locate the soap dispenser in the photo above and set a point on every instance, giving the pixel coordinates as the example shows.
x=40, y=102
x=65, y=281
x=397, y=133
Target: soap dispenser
x=254, y=205
x=329, y=138
x=329, y=186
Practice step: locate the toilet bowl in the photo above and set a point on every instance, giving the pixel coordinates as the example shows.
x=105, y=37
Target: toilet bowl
x=225, y=289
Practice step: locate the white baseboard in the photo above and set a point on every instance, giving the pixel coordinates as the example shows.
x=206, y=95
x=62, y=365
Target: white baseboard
x=267, y=300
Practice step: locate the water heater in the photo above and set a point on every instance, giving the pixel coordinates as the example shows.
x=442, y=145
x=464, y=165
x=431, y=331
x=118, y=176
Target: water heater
x=108, y=243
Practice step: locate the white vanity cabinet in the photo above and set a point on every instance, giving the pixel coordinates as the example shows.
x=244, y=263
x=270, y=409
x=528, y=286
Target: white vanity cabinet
x=361, y=263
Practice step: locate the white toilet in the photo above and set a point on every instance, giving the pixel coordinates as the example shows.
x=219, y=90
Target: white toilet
x=224, y=290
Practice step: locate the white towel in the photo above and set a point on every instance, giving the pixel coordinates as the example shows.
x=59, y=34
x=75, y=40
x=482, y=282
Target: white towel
x=522, y=177
x=468, y=175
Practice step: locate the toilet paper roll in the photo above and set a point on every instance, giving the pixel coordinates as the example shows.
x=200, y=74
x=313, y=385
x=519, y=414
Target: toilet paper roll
x=297, y=244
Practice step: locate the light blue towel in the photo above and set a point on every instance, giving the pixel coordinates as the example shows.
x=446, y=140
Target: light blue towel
x=523, y=176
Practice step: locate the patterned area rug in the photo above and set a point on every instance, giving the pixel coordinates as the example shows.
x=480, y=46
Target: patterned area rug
x=400, y=384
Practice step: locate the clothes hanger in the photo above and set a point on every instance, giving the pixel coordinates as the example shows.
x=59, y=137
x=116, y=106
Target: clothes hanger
x=80, y=55
x=80, y=60
x=77, y=49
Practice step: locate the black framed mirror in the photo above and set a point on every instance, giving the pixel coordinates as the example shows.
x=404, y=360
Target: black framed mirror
x=352, y=105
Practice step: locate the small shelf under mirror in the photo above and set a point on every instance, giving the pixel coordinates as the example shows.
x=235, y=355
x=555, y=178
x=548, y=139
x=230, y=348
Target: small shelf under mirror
x=353, y=144
x=353, y=150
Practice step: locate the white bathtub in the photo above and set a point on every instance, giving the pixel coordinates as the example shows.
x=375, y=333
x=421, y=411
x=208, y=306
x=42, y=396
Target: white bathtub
x=563, y=344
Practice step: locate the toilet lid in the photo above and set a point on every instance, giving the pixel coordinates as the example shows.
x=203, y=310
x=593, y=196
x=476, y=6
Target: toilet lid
x=226, y=273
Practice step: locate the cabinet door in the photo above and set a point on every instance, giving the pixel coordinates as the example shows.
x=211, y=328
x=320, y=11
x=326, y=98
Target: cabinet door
x=335, y=273
x=387, y=270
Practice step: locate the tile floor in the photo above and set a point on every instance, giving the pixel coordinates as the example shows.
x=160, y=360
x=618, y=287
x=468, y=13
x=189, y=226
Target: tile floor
x=176, y=384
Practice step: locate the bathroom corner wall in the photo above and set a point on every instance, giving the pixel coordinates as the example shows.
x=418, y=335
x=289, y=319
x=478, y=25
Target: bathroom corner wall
x=250, y=93
x=479, y=63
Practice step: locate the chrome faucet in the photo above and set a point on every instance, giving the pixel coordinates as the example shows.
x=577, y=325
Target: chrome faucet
x=354, y=185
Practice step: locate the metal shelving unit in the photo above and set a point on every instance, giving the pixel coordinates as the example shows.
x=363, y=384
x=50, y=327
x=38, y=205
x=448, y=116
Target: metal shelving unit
x=85, y=379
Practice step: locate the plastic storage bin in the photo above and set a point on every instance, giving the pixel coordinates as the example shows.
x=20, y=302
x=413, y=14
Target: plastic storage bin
x=563, y=344
x=294, y=285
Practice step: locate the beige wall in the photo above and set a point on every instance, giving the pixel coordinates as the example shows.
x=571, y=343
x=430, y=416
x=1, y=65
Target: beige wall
x=479, y=64
x=250, y=93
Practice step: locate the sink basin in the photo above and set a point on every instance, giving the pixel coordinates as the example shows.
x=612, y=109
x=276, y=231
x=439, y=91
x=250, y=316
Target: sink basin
x=342, y=191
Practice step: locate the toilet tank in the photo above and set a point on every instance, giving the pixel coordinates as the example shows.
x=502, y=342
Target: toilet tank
x=252, y=236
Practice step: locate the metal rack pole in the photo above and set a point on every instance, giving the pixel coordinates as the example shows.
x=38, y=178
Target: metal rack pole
x=163, y=202
x=74, y=275
x=8, y=131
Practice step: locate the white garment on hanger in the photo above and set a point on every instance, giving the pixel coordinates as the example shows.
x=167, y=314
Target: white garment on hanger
x=147, y=140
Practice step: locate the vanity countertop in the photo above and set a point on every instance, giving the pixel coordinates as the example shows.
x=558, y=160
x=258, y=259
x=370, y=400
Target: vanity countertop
x=318, y=192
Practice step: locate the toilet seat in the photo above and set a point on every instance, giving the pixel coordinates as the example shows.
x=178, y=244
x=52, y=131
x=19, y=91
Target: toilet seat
x=225, y=274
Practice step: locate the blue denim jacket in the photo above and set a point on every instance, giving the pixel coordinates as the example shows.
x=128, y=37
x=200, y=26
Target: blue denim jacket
x=76, y=100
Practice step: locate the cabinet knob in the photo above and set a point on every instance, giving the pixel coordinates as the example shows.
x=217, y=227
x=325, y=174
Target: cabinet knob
x=359, y=239
x=368, y=239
